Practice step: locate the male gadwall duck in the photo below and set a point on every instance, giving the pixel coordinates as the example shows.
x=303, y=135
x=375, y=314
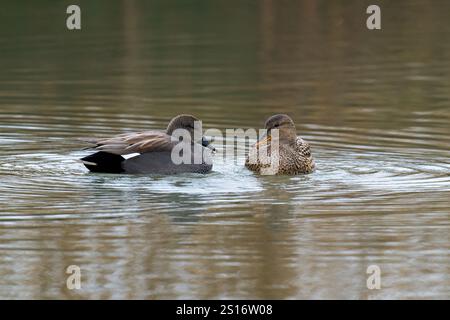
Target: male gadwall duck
x=152, y=151
x=294, y=155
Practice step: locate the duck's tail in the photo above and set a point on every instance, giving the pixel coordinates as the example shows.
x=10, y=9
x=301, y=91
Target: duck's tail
x=103, y=162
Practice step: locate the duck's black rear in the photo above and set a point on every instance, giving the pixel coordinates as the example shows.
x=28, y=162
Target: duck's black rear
x=104, y=162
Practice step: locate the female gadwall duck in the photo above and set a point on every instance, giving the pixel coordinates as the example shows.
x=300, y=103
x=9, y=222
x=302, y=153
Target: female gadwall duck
x=151, y=151
x=294, y=153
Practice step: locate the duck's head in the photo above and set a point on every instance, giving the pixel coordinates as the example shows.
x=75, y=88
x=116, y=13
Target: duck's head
x=285, y=126
x=189, y=123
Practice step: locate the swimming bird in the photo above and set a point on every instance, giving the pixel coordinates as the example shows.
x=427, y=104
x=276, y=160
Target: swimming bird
x=153, y=151
x=294, y=156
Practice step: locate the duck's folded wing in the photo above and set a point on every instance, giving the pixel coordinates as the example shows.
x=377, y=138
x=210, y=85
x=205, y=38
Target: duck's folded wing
x=141, y=142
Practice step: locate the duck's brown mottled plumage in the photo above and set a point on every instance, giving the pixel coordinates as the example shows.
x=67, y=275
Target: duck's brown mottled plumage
x=294, y=155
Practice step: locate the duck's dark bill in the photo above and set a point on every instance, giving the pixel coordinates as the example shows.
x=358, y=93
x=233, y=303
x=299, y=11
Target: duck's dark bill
x=205, y=142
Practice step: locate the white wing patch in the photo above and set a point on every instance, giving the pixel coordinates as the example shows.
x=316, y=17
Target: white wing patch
x=131, y=155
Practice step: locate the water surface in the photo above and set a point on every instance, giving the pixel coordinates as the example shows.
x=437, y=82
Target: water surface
x=373, y=104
